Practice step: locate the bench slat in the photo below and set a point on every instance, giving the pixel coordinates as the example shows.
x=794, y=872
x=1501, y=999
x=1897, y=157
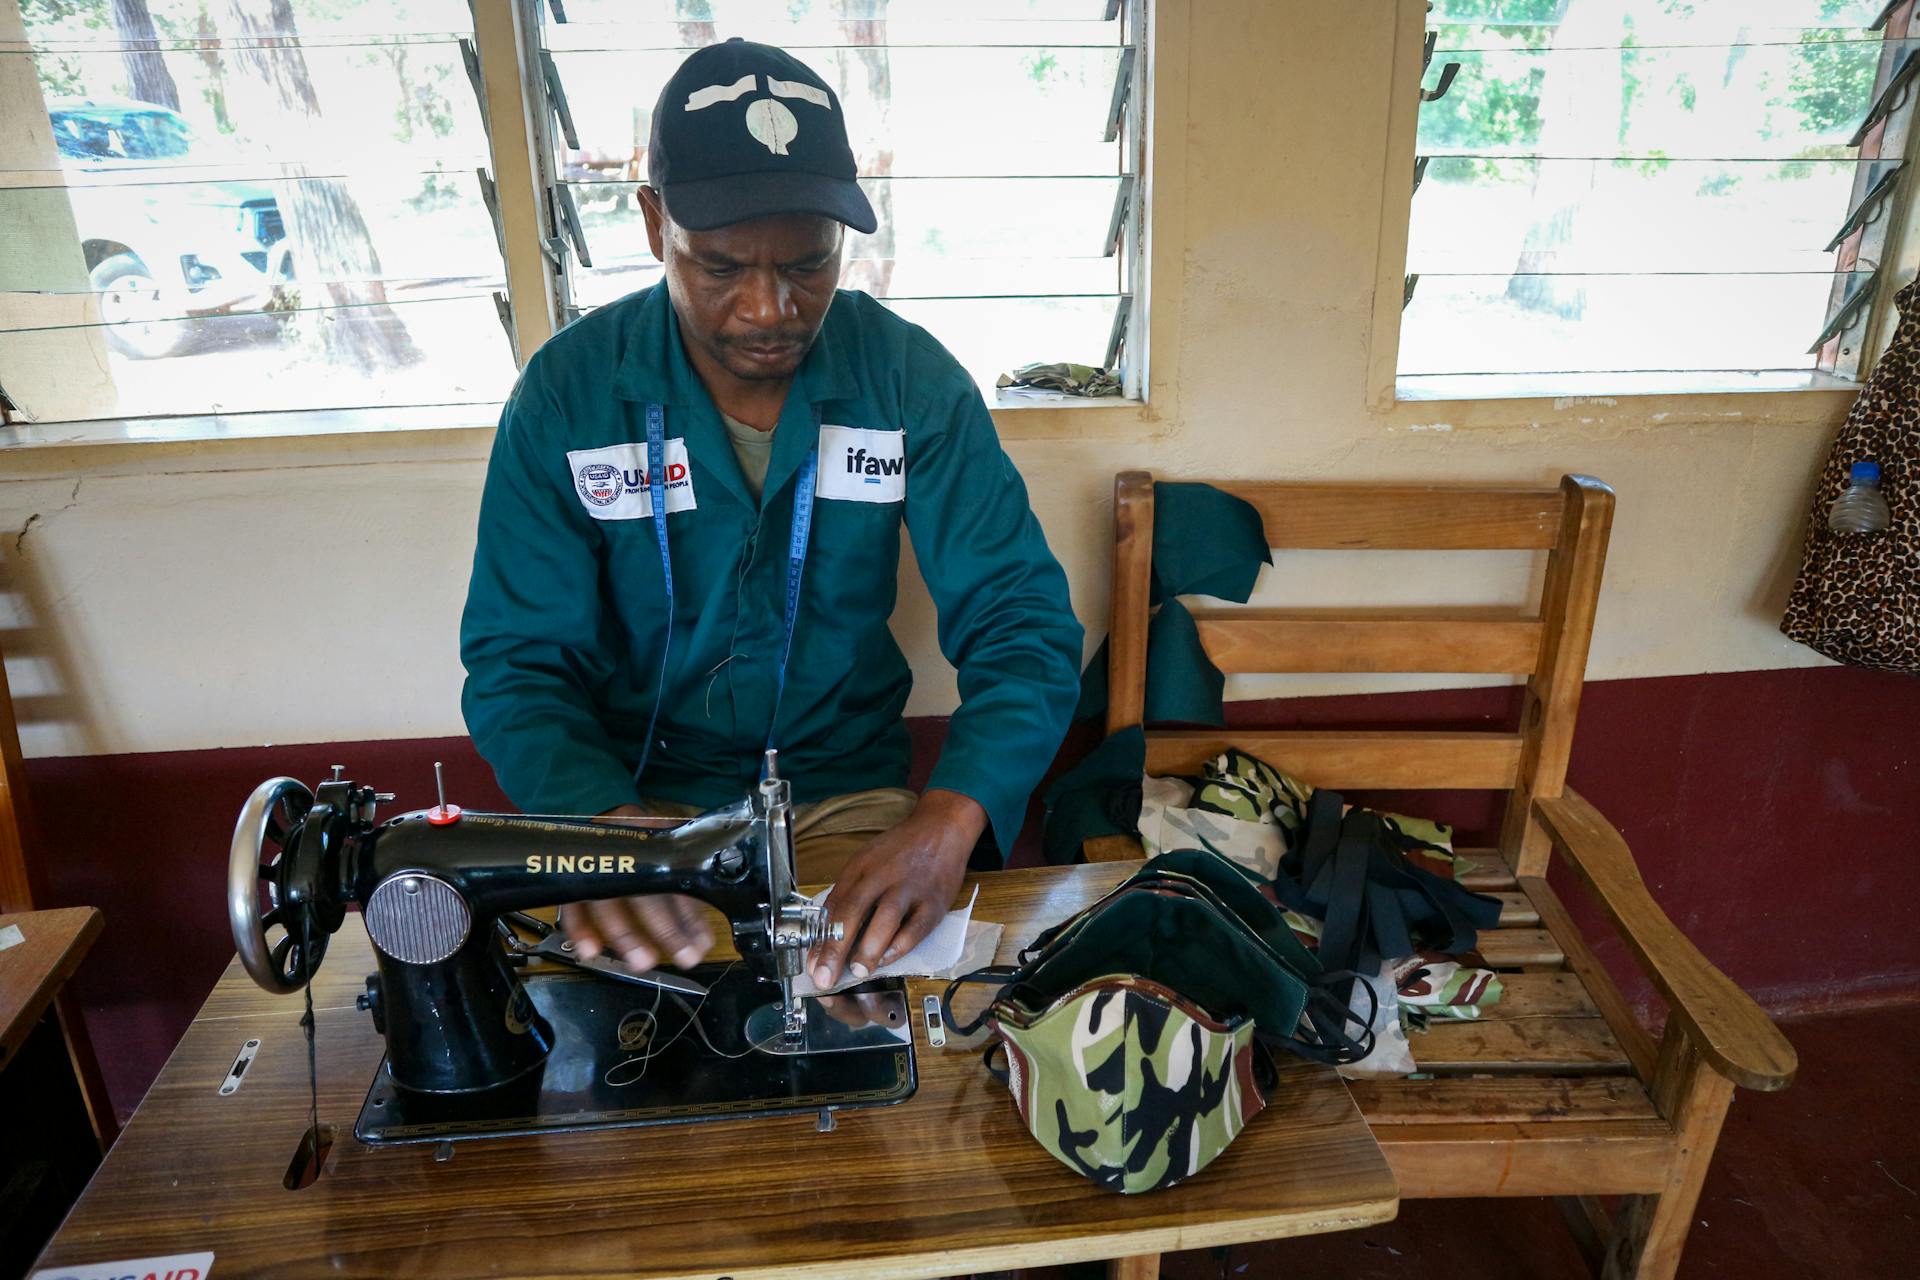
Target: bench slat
x=1516, y=909
x=1280, y=640
x=1489, y=872
x=1541, y=995
x=1404, y=517
x=1350, y=760
x=1517, y=1099
x=1520, y=1045
x=1513, y=948
x=1556, y=1158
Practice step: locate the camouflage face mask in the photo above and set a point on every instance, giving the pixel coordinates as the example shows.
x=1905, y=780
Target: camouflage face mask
x=1131, y=1084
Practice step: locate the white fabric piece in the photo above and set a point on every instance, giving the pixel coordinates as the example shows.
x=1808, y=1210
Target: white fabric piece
x=1392, y=1056
x=937, y=953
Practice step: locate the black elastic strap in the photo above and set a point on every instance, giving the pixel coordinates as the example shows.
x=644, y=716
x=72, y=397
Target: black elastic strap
x=991, y=976
x=1001, y=1073
x=1329, y=1014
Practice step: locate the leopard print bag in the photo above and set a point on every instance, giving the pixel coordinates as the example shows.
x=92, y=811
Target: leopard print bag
x=1857, y=599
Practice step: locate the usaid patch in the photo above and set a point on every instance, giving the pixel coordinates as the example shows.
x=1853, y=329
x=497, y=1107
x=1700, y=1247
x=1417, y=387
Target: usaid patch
x=179, y=1266
x=857, y=465
x=613, y=485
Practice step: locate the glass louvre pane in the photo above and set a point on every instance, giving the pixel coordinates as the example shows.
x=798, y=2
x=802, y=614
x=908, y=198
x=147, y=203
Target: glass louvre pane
x=390, y=102
x=1593, y=323
x=994, y=336
x=1712, y=102
x=130, y=306
x=1623, y=216
x=823, y=30
x=901, y=278
x=404, y=353
x=91, y=22
x=1758, y=13
x=951, y=111
x=1456, y=38
x=935, y=218
x=771, y=13
x=964, y=237
x=205, y=244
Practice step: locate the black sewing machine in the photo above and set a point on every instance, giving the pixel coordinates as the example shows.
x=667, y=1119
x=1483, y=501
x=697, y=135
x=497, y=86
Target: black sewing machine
x=474, y=1050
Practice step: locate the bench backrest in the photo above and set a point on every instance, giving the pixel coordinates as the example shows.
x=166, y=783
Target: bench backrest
x=1547, y=643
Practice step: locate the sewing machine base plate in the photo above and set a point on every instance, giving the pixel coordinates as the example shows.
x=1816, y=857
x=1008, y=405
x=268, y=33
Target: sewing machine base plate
x=599, y=1074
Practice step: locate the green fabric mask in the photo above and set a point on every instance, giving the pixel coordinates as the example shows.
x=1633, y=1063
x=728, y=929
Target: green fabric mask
x=1137, y=1030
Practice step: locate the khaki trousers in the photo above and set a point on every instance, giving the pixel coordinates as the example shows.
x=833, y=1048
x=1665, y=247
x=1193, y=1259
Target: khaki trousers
x=828, y=832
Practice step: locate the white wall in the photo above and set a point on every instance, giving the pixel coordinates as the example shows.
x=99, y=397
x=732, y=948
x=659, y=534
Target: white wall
x=243, y=592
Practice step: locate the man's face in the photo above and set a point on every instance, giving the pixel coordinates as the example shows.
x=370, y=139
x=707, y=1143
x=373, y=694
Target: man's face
x=751, y=297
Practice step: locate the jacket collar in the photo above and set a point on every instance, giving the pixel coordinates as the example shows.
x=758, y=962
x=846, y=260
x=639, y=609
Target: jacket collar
x=654, y=369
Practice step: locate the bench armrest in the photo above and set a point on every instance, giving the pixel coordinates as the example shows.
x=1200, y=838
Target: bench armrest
x=1732, y=1033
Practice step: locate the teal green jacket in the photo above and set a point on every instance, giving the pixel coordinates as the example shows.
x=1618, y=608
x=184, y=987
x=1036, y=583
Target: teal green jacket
x=566, y=618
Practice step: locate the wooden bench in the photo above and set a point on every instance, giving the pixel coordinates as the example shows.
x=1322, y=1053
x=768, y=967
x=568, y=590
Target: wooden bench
x=1559, y=1091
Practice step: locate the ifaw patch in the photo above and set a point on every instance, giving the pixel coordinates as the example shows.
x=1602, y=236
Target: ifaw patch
x=857, y=465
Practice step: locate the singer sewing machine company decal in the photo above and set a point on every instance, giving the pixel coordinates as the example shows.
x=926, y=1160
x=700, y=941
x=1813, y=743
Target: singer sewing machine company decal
x=857, y=465
x=179, y=1266
x=579, y=862
x=613, y=483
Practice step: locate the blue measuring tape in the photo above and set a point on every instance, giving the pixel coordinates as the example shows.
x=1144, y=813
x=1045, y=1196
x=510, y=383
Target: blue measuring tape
x=804, y=485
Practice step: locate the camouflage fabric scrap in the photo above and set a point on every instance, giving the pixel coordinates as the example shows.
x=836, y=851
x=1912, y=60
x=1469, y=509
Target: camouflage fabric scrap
x=1441, y=987
x=1064, y=377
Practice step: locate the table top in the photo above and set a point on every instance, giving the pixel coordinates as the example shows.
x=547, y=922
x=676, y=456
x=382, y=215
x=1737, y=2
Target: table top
x=946, y=1183
x=33, y=971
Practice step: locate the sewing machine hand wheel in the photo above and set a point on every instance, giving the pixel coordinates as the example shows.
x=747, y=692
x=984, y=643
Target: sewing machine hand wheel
x=260, y=866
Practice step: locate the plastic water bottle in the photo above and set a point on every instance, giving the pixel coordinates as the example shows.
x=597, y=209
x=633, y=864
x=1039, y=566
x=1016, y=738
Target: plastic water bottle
x=1861, y=507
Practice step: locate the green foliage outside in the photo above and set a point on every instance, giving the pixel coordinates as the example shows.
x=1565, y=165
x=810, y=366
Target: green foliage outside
x=1797, y=101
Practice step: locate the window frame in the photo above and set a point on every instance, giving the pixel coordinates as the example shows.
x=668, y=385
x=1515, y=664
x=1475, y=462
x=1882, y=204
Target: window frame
x=518, y=123
x=1536, y=399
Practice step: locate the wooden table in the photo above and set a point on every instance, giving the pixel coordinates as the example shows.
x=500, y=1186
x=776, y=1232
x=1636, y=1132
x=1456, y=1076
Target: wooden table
x=946, y=1183
x=33, y=971
x=49, y=1142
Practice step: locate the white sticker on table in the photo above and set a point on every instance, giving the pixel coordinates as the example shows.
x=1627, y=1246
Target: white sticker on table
x=178, y=1266
x=11, y=937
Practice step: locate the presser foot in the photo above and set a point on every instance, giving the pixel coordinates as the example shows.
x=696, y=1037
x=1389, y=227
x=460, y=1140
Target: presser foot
x=872, y=1017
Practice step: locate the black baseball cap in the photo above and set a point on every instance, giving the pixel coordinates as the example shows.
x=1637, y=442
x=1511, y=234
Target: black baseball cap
x=744, y=130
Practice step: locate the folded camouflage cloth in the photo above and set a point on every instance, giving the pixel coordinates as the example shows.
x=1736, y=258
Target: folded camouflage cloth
x=1249, y=812
x=1066, y=379
x=1137, y=1033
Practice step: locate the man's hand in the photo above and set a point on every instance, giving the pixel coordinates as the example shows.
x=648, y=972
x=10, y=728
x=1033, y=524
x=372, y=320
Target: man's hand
x=892, y=893
x=640, y=930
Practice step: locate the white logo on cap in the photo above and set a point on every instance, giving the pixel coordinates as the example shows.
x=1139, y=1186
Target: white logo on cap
x=701, y=99
x=800, y=89
x=772, y=125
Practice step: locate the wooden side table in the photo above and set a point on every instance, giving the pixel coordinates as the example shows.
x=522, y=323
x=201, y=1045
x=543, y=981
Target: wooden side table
x=51, y=1145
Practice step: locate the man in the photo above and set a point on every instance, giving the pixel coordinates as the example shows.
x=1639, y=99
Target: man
x=725, y=395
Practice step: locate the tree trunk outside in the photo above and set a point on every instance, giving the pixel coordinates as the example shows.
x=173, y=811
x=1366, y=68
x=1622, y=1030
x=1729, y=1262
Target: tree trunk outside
x=207, y=49
x=863, y=25
x=694, y=18
x=333, y=252
x=147, y=74
x=1579, y=116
